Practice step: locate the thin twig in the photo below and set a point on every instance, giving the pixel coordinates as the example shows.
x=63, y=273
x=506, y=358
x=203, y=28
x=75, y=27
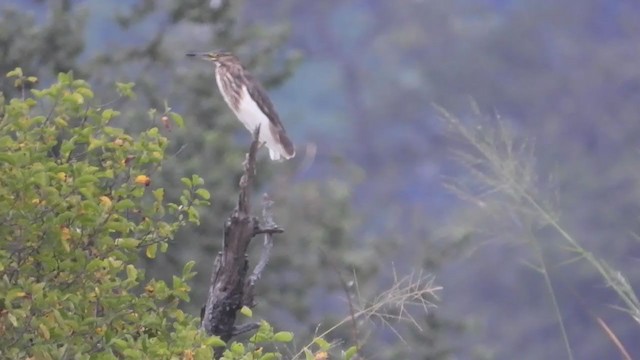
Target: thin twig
x=352, y=313
x=268, y=228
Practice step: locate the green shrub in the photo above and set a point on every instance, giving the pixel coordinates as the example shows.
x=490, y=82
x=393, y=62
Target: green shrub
x=78, y=206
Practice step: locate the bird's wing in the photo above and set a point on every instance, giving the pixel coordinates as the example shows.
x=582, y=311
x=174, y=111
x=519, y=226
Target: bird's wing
x=260, y=97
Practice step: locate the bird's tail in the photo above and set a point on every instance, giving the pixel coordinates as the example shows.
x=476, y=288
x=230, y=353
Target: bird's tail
x=278, y=153
x=284, y=147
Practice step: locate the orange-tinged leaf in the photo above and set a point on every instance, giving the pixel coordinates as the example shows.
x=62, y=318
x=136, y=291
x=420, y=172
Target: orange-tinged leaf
x=149, y=289
x=38, y=202
x=143, y=180
x=101, y=330
x=65, y=236
x=105, y=201
x=321, y=355
x=187, y=355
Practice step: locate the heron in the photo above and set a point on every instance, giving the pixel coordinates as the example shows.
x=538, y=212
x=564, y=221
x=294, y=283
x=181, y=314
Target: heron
x=249, y=102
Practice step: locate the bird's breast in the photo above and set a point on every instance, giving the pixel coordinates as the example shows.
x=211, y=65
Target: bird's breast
x=249, y=113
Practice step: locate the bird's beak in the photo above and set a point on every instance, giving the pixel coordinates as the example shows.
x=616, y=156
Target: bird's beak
x=202, y=55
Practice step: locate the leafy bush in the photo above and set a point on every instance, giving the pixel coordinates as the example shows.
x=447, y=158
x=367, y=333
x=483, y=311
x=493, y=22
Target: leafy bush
x=78, y=206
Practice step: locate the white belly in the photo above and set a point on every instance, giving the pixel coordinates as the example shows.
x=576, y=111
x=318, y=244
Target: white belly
x=251, y=116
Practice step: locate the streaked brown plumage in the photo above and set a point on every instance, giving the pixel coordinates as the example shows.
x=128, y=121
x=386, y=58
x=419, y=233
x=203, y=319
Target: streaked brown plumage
x=250, y=103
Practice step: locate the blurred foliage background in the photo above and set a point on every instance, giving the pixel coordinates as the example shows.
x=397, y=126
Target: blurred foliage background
x=355, y=83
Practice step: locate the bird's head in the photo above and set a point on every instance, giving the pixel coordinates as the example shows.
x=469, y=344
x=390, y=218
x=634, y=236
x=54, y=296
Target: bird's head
x=214, y=56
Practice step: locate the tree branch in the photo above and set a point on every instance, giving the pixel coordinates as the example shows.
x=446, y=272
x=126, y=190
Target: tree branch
x=268, y=228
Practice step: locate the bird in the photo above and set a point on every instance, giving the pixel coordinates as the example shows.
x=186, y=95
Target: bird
x=249, y=102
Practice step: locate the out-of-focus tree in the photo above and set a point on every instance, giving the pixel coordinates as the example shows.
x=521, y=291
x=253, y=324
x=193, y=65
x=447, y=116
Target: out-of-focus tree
x=41, y=45
x=565, y=74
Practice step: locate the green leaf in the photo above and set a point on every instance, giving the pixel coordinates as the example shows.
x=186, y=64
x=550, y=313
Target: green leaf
x=119, y=344
x=85, y=92
x=17, y=72
x=85, y=180
x=124, y=205
x=308, y=355
x=214, y=341
x=322, y=344
x=350, y=353
x=125, y=89
x=203, y=354
x=269, y=356
x=133, y=354
x=64, y=78
x=44, y=331
x=132, y=272
x=12, y=320
x=127, y=243
x=246, y=311
x=14, y=294
x=197, y=180
x=283, y=336
x=77, y=98
x=237, y=349
x=151, y=251
x=8, y=158
x=158, y=194
x=186, y=270
x=108, y=114
x=186, y=182
x=203, y=193
x=177, y=118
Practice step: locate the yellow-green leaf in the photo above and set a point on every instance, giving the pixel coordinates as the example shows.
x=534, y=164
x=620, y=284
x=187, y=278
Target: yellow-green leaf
x=127, y=243
x=8, y=158
x=283, y=336
x=132, y=272
x=322, y=343
x=17, y=72
x=158, y=194
x=203, y=193
x=237, y=348
x=77, y=98
x=203, y=353
x=177, y=118
x=151, y=251
x=214, y=341
x=308, y=355
x=44, y=331
x=246, y=311
x=350, y=353
x=125, y=89
x=12, y=319
x=85, y=92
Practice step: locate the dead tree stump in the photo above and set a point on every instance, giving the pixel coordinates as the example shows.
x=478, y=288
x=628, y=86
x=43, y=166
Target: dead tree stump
x=230, y=288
